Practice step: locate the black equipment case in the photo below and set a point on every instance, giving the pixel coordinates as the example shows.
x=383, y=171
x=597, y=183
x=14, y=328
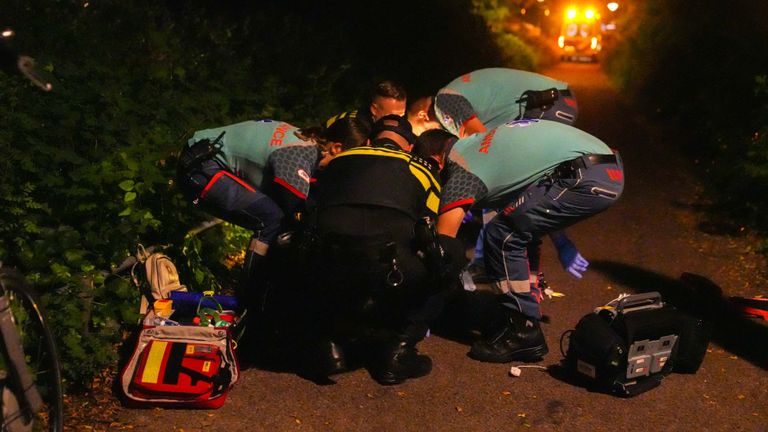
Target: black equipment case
x=628, y=346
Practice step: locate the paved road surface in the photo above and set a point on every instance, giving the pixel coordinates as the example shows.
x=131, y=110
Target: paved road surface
x=643, y=243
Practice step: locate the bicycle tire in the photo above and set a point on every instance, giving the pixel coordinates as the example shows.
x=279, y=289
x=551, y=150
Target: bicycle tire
x=39, y=348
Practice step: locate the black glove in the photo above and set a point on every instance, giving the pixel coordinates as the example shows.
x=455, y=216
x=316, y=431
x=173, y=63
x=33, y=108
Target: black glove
x=454, y=249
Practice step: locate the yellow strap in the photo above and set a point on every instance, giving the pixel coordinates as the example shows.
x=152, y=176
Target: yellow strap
x=154, y=362
x=420, y=176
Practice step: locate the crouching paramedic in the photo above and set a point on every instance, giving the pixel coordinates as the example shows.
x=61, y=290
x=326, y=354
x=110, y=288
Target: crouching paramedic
x=369, y=201
x=254, y=173
x=485, y=99
x=544, y=176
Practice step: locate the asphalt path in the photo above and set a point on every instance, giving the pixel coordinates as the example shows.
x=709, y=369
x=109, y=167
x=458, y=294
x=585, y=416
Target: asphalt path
x=643, y=243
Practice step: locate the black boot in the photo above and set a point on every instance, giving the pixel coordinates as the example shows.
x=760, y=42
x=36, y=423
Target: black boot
x=253, y=286
x=331, y=357
x=325, y=358
x=520, y=338
x=400, y=362
x=252, y=267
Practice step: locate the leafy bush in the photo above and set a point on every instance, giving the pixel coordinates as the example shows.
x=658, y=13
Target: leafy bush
x=516, y=51
x=695, y=63
x=88, y=169
x=743, y=195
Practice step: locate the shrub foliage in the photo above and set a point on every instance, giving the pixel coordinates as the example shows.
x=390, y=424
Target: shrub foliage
x=698, y=63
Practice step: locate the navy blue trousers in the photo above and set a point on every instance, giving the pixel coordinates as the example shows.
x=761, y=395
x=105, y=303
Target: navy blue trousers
x=227, y=197
x=548, y=205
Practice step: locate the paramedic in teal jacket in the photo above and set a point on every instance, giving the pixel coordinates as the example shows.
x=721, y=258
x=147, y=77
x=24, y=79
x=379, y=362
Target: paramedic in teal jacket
x=487, y=98
x=543, y=176
x=262, y=173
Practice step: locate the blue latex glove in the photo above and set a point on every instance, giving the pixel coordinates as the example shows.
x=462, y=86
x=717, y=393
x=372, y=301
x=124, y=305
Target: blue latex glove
x=569, y=256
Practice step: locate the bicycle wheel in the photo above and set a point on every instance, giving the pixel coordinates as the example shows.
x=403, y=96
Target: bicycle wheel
x=40, y=354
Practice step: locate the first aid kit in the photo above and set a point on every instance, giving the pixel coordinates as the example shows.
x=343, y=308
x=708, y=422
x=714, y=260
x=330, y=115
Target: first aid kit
x=180, y=364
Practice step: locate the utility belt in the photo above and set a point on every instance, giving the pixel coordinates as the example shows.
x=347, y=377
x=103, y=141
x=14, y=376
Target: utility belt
x=199, y=162
x=373, y=248
x=377, y=253
x=192, y=157
x=568, y=169
x=539, y=99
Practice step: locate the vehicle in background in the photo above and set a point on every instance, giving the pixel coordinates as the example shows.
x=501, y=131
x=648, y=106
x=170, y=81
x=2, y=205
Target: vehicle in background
x=580, y=35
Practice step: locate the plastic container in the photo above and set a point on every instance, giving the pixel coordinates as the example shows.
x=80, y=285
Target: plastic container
x=186, y=303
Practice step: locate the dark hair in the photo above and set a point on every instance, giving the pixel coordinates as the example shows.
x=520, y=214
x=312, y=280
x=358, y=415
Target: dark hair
x=389, y=89
x=431, y=113
x=434, y=142
x=420, y=104
x=350, y=131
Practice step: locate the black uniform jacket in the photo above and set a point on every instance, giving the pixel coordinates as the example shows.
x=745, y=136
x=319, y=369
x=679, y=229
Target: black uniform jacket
x=380, y=177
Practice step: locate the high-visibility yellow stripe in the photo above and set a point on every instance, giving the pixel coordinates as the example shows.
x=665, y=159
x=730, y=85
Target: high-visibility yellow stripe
x=433, y=202
x=375, y=151
x=332, y=120
x=154, y=362
x=420, y=176
x=426, y=175
x=338, y=117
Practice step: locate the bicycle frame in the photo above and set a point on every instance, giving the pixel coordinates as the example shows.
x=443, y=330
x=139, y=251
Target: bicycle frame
x=20, y=399
x=21, y=378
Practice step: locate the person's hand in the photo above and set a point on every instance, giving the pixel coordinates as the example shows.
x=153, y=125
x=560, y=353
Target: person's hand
x=570, y=258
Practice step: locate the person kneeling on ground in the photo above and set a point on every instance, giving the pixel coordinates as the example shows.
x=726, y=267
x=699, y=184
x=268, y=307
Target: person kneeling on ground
x=369, y=201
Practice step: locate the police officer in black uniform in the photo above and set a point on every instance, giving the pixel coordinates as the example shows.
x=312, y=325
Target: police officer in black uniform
x=369, y=202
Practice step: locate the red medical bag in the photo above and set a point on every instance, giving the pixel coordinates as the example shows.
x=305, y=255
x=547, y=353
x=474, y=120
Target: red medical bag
x=184, y=366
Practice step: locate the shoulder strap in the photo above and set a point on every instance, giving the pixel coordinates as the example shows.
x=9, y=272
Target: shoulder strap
x=141, y=258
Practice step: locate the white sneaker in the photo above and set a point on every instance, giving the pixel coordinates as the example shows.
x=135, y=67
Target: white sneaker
x=466, y=278
x=477, y=272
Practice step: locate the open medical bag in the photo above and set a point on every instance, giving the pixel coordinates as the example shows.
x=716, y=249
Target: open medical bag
x=186, y=360
x=628, y=346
